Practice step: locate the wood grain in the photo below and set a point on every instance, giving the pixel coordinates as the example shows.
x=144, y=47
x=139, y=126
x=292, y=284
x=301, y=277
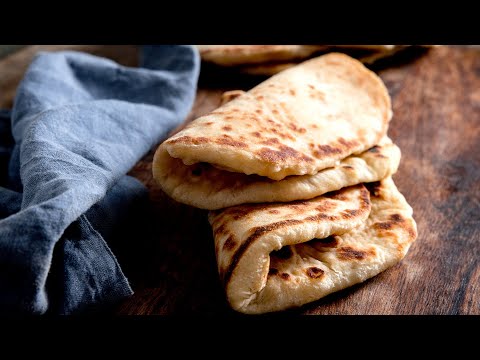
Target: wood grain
x=436, y=123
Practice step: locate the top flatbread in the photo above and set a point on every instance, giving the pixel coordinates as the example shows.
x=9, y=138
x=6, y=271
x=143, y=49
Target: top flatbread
x=297, y=122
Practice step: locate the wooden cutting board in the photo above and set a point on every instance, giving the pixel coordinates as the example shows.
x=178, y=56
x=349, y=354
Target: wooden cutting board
x=436, y=123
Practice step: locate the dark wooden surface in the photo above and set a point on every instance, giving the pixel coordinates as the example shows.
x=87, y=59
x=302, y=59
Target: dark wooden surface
x=436, y=123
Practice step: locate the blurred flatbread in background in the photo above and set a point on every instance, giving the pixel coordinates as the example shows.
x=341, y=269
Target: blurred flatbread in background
x=234, y=55
x=267, y=69
x=268, y=60
x=377, y=55
x=371, y=47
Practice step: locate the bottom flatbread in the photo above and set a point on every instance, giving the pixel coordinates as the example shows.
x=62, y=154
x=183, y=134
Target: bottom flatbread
x=283, y=255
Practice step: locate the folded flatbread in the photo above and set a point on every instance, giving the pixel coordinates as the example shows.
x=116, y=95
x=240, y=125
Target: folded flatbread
x=207, y=187
x=300, y=121
x=277, y=256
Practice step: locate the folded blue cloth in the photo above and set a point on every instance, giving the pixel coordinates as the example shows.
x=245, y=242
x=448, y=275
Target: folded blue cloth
x=78, y=124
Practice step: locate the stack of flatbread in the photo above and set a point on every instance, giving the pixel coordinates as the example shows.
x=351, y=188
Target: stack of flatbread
x=270, y=59
x=297, y=173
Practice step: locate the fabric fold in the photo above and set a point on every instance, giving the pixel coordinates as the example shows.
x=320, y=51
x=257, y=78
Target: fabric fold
x=80, y=122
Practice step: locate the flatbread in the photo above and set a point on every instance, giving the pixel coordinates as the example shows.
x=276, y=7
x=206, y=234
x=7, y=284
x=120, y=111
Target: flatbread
x=266, y=69
x=207, y=187
x=367, y=47
x=278, y=256
x=298, y=122
x=262, y=60
x=367, y=54
x=233, y=55
x=237, y=55
x=375, y=56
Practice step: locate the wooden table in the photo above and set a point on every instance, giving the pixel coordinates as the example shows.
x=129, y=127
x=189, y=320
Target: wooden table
x=436, y=123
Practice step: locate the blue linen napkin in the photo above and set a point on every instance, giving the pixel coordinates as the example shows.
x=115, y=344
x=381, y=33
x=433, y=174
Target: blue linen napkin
x=78, y=124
